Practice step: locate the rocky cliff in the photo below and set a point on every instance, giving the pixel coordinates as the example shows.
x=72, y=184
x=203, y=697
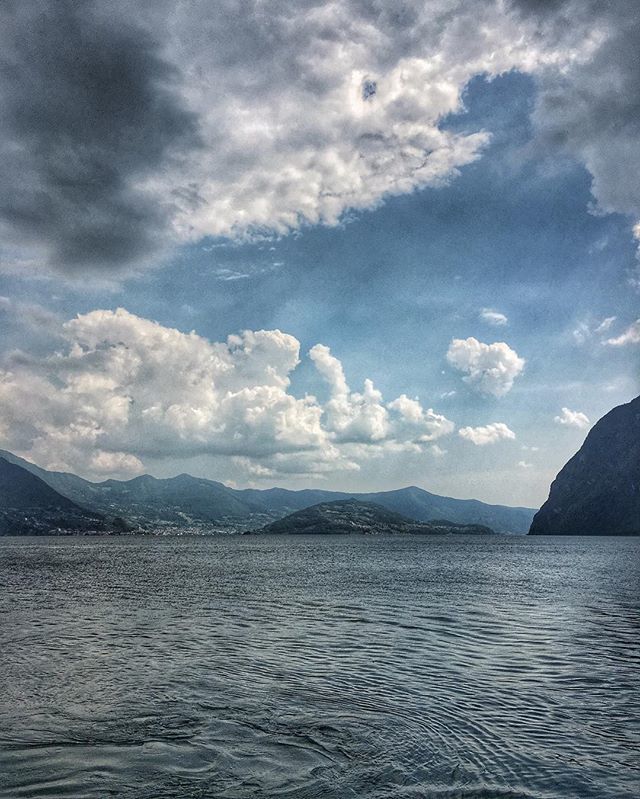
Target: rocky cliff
x=598, y=491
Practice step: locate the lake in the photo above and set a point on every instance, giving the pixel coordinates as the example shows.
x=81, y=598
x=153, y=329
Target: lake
x=341, y=667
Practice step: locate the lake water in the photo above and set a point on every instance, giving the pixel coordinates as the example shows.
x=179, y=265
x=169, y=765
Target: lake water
x=320, y=667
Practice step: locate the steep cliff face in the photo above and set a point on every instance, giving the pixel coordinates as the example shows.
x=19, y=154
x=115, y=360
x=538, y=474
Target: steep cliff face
x=598, y=491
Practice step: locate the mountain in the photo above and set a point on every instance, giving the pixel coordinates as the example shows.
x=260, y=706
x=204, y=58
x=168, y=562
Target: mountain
x=28, y=506
x=598, y=491
x=181, y=501
x=193, y=503
x=347, y=516
x=422, y=505
x=414, y=502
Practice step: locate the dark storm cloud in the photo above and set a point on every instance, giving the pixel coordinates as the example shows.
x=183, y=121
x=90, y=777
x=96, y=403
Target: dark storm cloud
x=89, y=112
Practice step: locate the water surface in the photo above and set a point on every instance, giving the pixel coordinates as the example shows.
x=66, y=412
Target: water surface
x=151, y=668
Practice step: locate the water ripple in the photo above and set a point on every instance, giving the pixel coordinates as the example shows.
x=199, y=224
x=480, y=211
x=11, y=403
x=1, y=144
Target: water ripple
x=341, y=667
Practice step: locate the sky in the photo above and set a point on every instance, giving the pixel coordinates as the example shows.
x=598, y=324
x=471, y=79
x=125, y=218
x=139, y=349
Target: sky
x=353, y=244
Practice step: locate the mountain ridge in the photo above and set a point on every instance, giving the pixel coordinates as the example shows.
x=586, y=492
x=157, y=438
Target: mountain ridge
x=188, y=502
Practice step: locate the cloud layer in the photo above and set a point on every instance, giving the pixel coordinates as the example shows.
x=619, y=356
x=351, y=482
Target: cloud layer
x=124, y=388
x=128, y=127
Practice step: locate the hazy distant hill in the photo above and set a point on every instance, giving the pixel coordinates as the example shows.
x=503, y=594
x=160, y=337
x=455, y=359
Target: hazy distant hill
x=349, y=516
x=598, y=491
x=422, y=505
x=414, y=502
x=145, y=500
x=177, y=499
x=29, y=506
x=184, y=500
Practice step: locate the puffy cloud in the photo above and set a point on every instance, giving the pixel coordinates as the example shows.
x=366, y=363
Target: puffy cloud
x=129, y=126
x=123, y=388
x=525, y=465
x=331, y=369
x=494, y=318
x=489, y=434
x=571, y=418
x=489, y=368
x=363, y=417
x=630, y=336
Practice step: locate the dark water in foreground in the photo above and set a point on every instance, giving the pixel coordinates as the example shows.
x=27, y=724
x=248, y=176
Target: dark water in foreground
x=338, y=667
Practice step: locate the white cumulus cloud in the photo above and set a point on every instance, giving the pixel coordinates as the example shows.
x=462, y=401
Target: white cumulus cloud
x=123, y=388
x=489, y=368
x=487, y=434
x=570, y=418
x=339, y=106
x=363, y=417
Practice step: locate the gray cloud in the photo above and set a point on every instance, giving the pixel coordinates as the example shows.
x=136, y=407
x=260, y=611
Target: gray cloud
x=129, y=127
x=89, y=111
x=592, y=109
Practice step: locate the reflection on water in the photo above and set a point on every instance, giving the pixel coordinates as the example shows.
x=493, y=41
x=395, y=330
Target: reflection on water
x=338, y=667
